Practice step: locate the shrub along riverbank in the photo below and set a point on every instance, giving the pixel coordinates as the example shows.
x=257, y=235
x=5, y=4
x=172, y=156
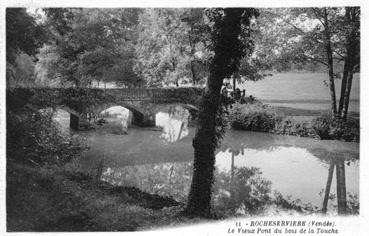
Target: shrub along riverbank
x=258, y=117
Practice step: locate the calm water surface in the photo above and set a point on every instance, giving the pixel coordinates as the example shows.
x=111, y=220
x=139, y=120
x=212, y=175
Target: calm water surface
x=251, y=167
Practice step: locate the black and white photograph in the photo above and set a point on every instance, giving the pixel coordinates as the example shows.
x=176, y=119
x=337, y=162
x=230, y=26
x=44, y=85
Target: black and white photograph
x=151, y=117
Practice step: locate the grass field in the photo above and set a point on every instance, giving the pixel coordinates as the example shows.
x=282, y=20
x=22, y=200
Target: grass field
x=300, y=90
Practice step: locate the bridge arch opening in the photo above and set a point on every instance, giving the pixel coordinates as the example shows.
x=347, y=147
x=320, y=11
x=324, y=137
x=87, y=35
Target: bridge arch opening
x=125, y=113
x=64, y=117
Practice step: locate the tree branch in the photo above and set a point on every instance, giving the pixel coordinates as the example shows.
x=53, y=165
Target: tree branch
x=309, y=58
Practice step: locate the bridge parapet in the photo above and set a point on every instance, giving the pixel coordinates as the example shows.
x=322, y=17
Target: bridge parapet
x=161, y=95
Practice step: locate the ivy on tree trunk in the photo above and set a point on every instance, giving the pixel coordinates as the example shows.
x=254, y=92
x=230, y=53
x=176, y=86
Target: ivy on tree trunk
x=227, y=43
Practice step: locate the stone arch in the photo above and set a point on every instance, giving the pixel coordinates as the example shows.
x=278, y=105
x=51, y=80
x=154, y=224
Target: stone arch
x=69, y=110
x=138, y=114
x=189, y=107
x=193, y=110
x=75, y=116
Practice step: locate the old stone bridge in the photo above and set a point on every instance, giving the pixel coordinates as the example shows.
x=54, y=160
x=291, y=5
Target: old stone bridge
x=143, y=103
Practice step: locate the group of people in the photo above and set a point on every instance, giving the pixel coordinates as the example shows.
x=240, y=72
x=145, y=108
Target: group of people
x=237, y=95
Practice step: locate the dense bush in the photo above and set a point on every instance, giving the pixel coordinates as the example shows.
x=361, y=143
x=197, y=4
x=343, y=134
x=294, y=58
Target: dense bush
x=288, y=126
x=258, y=117
x=253, y=117
x=328, y=127
x=33, y=136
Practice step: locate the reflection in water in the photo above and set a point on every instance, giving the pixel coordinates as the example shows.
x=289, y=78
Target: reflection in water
x=243, y=192
x=254, y=171
x=166, y=179
x=174, y=123
x=250, y=167
x=328, y=186
x=296, y=172
x=344, y=205
x=250, y=182
x=341, y=186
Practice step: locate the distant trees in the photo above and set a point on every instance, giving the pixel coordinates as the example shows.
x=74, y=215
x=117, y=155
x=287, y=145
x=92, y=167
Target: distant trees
x=172, y=46
x=90, y=44
x=315, y=35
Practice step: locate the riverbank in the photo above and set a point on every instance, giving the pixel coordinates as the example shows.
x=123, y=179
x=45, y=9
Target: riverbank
x=140, y=181
x=289, y=111
x=74, y=198
x=51, y=198
x=318, y=124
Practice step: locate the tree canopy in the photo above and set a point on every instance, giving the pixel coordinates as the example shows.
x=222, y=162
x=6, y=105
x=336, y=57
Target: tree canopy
x=155, y=47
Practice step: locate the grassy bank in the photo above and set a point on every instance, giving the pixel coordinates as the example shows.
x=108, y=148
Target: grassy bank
x=48, y=191
x=51, y=198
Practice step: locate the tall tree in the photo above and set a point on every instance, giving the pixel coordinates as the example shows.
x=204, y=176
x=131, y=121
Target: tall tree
x=229, y=28
x=313, y=35
x=351, y=35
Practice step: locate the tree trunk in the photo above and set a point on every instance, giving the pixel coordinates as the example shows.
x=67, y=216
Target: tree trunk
x=328, y=49
x=343, y=86
x=351, y=46
x=77, y=83
x=225, y=38
x=234, y=86
x=192, y=67
x=204, y=148
x=332, y=88
x=347, y=95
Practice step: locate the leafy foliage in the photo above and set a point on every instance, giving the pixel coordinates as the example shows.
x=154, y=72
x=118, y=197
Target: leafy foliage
x=21, y=72
x=33, y=137
x=257, y=117
x=171, y=46
x=22, y=34
x=252, y=117
x=90, y=44
x=23, y=39
x=327, y=127
x=288, y=126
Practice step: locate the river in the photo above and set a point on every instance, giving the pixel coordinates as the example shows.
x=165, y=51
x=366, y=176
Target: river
x=252, y=169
